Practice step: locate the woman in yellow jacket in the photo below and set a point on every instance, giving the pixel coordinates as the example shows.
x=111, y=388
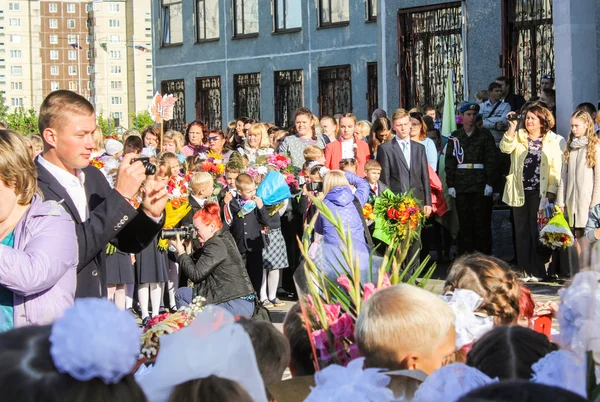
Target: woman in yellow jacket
x=535, y=171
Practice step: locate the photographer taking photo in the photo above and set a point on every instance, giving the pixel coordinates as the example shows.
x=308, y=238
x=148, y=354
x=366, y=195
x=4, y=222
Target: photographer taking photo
x=216, y=269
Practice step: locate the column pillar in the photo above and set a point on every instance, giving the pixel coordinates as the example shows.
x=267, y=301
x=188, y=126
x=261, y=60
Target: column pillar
x=575, y=55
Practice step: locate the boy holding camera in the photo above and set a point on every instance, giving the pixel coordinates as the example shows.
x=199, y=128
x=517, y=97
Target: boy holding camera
x=246, y=217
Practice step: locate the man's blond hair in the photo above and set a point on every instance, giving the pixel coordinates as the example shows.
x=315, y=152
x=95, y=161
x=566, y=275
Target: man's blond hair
x=58, y=106
x=399, y=114
x=399, y=320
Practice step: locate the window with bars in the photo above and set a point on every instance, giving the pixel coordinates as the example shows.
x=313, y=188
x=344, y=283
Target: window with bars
x=171, y=22
x=430, y=44
x=177, y=89
x=335, y=90
x=245, y=18
x=372, y=90
x=208, y=101
x=207, y=20
x=246, y=89
x=333, y=12
x=287, y=15
x=289, y=96
x=528, y=44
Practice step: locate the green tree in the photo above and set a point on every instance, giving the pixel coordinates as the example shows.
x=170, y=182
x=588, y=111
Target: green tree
x=140, y=120
x=103, y=124
x=3, y=107
x=23, y=120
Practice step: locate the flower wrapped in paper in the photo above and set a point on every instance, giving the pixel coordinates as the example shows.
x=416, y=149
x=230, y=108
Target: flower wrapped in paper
x=177, y=206
x=336, y=301
x=556, y=234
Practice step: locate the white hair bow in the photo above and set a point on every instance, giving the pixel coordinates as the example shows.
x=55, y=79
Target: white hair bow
x=469, y=325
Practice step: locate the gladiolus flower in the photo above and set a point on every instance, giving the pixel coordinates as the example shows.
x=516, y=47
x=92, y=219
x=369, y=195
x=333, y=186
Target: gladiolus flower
x=368, y=291
x=344, y=282
x=332, y=312
x=343, y=327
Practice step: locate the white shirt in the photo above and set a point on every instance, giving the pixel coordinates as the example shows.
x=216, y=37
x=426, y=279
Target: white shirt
x=405, y=148
x=74, y=185
x=200, y=201
x=348, y=148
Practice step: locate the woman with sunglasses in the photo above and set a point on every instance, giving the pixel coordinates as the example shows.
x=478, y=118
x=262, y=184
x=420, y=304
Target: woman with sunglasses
x=217, y=143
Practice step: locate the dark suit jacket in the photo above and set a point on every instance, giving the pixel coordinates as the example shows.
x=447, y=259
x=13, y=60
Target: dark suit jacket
x=246, y=230
x=111, y=220
x=398, y=177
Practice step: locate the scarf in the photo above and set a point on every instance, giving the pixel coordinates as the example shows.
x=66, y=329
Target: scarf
x=577, y=143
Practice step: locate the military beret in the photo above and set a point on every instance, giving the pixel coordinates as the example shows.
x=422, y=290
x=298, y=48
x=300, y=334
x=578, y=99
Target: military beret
x=469, y=106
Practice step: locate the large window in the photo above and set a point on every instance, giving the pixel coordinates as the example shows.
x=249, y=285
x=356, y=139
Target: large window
x=245, y=18
x=246, y=89
x=70, y=8
x=53, y=7
x=333, y=12
x=528, y=45
x=335, y=90
x=114, y=23
x=208, y=101
x=53, y=54
x=289, y=96
x=207, y=20
x=14, y=22
x=171, y=22
x=177, y=89
x=113, y=8
x=17, y=102
x=16, y=70
x=430, y=43
x=16, y=86
x=287, y=15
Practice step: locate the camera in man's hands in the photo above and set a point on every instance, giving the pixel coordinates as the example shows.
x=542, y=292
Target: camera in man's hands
x=513, y=117
x=187, y=232
x=150, y=168
x=315, y=186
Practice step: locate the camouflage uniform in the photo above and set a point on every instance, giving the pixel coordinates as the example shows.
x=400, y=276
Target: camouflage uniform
x=469, y=181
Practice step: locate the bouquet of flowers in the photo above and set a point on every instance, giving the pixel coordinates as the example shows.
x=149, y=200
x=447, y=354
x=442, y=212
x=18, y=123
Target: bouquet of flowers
x=336, y=303
x=177, y=206
x=280, y=161
x=97, y=163
x=556, y=234
x=257, y=172
x=165, y=324
x=397, y=215
x=368, y=212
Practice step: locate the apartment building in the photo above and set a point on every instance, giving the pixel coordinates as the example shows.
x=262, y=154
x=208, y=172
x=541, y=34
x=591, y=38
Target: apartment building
x=99, y=49
x=19, y=54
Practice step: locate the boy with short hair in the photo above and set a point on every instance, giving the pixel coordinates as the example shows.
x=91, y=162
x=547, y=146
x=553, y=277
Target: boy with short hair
x=202, y=187
x=232, y=171
x=404, y=327
x=246, y=216
x=373, y=173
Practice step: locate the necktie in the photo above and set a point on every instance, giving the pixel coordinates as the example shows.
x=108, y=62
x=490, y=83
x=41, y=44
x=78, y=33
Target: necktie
x=375, y=189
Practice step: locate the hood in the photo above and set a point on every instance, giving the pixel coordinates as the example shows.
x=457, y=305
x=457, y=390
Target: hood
x=340, y=196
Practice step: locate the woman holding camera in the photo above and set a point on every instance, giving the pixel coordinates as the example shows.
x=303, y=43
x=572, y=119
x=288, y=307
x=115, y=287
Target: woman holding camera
x=216, y=269
x=536, y=156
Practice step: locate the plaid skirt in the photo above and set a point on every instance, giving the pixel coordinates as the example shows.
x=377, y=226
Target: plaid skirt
x=275, y=254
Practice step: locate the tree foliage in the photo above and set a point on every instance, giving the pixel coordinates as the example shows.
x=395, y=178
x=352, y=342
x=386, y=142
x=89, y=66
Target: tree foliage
x=3, y=107
x=140, y=120
x=25, y=121
x=102, y=122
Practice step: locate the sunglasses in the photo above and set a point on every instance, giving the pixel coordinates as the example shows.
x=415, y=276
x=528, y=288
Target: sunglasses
x=214, y=138
x=547, y=76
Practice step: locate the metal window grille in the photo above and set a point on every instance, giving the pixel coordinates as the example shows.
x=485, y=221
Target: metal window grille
x=247, y=95
x=177, y=89
x=208, y=101
x=289, y=95
x=528, y=45
x=335, y=90
x=430, y=43
x=372, y=90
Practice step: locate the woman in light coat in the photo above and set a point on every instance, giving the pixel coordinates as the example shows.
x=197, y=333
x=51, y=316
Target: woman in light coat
x=536, y=156
x=579, y=190
x=38, y=244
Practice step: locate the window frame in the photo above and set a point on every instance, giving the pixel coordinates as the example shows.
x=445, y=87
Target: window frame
x=72, y=85
x=13, y=36
x=15, y=67
x=371, y=5
x=70, y=5
x=16, y=20
x=73, y=53
x=114, y=23
x=197, y=22
x=16, y=86
x=14, y=6
x=72, y=68
x=163, y=13
x=17, y=52
x=237, y=35
x=323, y=25
x=115, y=8
x=53, y=52
x=54, y=86
x=54, y=67
x=71, y=21
x=285, y=29
x=55, y=23
x=51, y=41
x=52, y=7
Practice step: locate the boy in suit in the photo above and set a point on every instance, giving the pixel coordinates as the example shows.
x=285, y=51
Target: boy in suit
x=373, y=173
x=245, y=215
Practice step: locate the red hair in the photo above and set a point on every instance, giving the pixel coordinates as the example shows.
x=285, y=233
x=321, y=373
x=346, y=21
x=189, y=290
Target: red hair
x=526, y=303
x=209, y=213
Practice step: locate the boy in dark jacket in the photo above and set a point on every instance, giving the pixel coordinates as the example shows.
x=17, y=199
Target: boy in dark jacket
x=246, y=216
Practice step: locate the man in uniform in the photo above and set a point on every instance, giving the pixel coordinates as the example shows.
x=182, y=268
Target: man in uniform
x=470, y=173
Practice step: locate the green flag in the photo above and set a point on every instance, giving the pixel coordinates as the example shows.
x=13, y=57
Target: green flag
x=449, y=117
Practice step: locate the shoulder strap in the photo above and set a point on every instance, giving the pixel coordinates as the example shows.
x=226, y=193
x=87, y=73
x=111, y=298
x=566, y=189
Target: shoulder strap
x=494, y=108
x=368, y=237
